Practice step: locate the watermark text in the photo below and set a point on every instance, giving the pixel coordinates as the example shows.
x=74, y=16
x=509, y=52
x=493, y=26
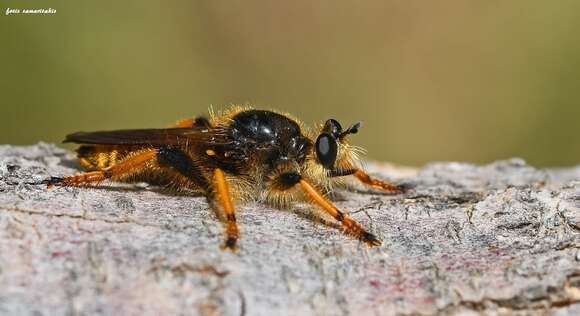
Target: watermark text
x=14, y=11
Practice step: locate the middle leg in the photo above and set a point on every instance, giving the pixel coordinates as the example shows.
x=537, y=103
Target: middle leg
x=223, y=195
x=217, y=189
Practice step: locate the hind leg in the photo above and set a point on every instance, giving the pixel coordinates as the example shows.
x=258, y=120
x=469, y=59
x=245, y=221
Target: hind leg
x=132, y=164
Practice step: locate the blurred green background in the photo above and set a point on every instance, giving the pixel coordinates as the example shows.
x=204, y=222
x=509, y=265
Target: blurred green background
x=431, y=80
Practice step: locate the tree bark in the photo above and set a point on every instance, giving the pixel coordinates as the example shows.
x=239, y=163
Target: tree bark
x=503, y=238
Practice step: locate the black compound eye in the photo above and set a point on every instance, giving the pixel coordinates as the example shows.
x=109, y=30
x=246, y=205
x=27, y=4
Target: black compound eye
x=326, y=150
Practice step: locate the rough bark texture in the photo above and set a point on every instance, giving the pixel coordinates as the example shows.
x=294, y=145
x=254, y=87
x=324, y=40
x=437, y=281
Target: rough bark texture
x=496, y=239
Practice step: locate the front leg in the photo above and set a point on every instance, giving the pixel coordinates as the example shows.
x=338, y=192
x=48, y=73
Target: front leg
x=350, y=226
x=367, y=180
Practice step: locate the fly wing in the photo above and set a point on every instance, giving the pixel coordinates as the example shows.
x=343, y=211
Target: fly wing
x=150, y=137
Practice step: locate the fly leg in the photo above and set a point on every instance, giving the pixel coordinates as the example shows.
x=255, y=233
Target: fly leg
x=350, y=226
x=217, y=189
x=224, y=197
x=130, y=165
x=367, y=180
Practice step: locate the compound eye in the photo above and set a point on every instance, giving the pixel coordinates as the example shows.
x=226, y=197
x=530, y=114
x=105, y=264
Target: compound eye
x=326, y=150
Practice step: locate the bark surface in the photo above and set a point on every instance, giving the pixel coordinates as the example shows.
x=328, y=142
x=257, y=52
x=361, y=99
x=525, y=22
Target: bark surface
x=503, y=238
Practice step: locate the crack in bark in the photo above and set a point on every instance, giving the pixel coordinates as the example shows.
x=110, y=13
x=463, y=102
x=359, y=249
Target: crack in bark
x=519, y=303
x=566, y=221
x=90, y=219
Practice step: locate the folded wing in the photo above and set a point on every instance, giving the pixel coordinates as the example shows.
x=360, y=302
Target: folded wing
x=150, y=137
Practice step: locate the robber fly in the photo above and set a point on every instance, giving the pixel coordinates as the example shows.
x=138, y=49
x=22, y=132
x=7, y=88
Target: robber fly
x=239, y=155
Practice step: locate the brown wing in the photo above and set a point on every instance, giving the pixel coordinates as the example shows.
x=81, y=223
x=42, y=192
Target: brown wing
x=149, y=137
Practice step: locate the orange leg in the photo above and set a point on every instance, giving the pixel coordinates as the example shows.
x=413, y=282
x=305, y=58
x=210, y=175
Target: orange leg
x=225, y=199
x=192, y=122
x=377, y=184
x=350, y=226
x=187, y=123
x=129, y=165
